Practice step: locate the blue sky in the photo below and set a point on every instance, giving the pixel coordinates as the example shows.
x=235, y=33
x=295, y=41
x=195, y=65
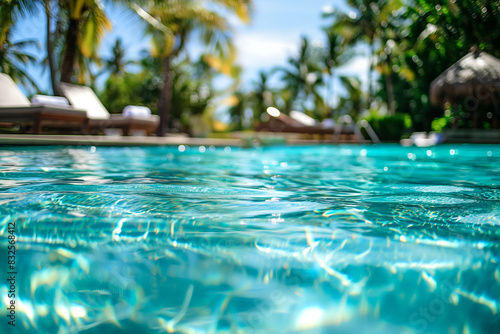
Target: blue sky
x=272, y=36
x=276, y=30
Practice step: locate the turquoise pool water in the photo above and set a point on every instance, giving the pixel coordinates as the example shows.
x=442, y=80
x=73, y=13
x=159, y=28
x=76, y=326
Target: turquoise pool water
x=323, y=239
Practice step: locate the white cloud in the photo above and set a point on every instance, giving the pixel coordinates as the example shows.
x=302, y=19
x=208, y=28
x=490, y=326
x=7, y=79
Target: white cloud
x=358, y=67
x=258, y=51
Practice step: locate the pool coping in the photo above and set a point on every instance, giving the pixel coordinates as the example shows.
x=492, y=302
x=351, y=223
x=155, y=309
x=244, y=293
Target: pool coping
x=88, y=140
x=171, y=140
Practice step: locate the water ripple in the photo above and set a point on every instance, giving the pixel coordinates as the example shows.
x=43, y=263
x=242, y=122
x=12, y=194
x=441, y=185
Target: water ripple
x=270, y=240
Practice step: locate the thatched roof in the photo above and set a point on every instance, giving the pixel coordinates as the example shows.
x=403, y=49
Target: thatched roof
x=477, y=75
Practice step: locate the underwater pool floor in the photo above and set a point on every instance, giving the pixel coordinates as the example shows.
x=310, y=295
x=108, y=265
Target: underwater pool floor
x=199, y=239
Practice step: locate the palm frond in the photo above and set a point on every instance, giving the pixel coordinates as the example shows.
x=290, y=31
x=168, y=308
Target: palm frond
x=95, y=24
x=28, y=43
x=242, y=8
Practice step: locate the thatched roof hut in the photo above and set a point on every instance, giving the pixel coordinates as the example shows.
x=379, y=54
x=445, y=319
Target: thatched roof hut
x=476, y=76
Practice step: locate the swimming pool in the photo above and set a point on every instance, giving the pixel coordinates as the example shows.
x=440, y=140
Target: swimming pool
x=316, y=239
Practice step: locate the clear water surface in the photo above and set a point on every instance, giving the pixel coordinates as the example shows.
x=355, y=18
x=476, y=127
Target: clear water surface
x=323, y=239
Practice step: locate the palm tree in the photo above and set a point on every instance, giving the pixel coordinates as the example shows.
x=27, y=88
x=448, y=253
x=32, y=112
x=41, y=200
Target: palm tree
x=80, y=26
x=332, y=55
x=57, y=48
x=10, y=12
x=171, y=23
x=12, y=57
x=50, y=45
x=191, y=90
x=352, y=103
x=303, y=76
x=13, y=61
x=261, y=96
x=294, y=76
x=366, y=25
x=335, y=56
x=237, y=109
x=392, y=50
x=86, y=28
x=115, y=65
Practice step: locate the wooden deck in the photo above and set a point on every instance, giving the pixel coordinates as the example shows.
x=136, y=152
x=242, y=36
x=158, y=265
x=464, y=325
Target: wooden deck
x=87, y=140
x=173, y=140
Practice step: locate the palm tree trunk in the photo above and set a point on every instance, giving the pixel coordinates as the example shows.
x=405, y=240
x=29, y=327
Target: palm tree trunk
x=370, y=71
x=332, y=92
x=49, y=49
x=390, y=94
x=68, y=65
x=8, y=8
x=164, y=104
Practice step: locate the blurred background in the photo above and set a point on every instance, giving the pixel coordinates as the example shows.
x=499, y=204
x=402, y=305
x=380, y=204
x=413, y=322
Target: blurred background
x=212, y=67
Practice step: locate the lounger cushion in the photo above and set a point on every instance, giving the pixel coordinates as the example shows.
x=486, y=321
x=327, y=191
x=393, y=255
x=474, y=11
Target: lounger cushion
x=150, y=118
x=10, y=94
x=50, y=101
x=136, y=112
x=84, y=98
x=302, y=118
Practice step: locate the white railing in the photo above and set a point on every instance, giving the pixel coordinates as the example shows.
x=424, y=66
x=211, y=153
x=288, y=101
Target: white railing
x=347, y=120
x=373, y=136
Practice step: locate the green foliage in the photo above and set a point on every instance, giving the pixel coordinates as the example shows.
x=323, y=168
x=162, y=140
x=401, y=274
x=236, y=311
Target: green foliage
x=11, y=11
x=390, y=128
x=117, y=63
x=353, y=103
x=367, y=23
x=191, y=91
x=260, y=98
x=14, y=61
x=130, y=89
x=438, y=124
x=303, y=77
x=237, y=110
x=426, y=38
x=171, y=24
